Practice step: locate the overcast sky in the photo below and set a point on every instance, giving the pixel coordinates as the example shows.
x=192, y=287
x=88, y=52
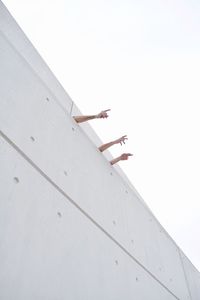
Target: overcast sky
x=142, y=60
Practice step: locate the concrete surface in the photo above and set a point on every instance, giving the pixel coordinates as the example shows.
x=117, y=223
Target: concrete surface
x=71, y=225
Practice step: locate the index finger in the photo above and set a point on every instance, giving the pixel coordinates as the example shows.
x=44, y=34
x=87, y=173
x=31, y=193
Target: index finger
x=106, y=110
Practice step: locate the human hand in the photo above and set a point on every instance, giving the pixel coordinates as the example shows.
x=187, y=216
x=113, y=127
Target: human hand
x=103, y=114
x=125, y=156
x=121, y=140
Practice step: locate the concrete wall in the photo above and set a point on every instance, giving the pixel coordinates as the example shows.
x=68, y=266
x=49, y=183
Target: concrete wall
x=71, y=225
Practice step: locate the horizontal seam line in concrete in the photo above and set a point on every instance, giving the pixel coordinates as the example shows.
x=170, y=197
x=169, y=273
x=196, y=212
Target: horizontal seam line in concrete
x=4, y=136
x=185, y=276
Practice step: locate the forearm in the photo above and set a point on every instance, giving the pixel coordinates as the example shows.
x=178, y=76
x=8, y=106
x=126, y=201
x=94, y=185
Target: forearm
x=115, y=160
x=80, y=119
x=106, y=146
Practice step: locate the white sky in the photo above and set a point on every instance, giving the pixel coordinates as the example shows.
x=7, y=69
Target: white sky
x=142, y=60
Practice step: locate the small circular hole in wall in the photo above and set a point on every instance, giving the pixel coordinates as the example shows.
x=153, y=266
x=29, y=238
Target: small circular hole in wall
x=73, y=129
x=59, y=214
x=16, y=180
x=114, y=223
x=47, y=99
x=65, y=172
x=116, y=262
x=136, y=279
x=32, y=139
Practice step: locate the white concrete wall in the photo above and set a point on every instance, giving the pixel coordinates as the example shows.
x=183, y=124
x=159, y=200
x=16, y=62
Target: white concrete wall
x=71, y=225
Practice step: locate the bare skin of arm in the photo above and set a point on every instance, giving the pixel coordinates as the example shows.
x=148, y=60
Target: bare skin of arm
x=103, y=114
x=123, y=156
x=118, y=141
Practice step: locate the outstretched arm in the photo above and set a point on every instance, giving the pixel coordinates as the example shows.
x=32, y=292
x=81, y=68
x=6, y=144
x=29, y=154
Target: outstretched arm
x=123, y=156
x=103, y=114
x=118, y=141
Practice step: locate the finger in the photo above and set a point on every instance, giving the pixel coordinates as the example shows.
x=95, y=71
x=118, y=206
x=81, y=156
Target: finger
x=103, y=114
x=124, y=138
x=106, y=110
